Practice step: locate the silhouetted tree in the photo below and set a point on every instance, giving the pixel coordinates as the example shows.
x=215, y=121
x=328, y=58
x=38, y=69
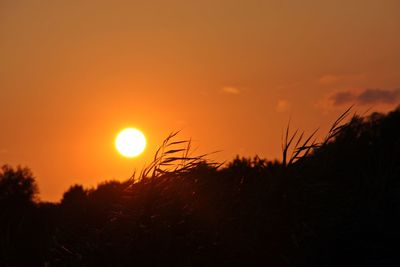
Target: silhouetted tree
x=76, y=195
x=17, y=186
x=21, y=240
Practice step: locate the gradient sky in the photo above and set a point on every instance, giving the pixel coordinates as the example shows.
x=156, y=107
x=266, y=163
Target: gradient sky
x=229, y=74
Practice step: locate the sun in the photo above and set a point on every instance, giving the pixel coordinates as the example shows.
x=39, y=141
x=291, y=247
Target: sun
x=130, y=142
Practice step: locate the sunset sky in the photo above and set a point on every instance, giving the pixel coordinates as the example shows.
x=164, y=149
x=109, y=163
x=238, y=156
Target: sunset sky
x=229, y=74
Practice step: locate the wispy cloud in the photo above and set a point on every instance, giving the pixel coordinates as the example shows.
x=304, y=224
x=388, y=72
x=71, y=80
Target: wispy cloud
x=230, y=90
x=370, y=96
x=282, y=105
x=366, y=97
x=329, y=79
x=341, y=98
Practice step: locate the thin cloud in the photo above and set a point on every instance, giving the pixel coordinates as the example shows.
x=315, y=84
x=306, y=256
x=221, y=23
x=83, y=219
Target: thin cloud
x=231, y=90
x=330, y=79
x=282, y=106
x=366, y=97
x=371, y=96
x=341, y=98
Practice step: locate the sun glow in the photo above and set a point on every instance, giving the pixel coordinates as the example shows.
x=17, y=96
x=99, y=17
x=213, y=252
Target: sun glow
x=130, y=142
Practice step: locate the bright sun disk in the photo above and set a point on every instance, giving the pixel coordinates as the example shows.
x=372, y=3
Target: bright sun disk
x=130, y=142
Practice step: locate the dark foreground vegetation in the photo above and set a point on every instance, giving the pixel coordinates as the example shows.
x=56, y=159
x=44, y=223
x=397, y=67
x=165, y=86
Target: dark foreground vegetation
x=329, y=203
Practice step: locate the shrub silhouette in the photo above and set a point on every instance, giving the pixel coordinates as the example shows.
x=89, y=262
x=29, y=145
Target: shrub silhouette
x=75, y=196
x=18, y=196
x=17, y=187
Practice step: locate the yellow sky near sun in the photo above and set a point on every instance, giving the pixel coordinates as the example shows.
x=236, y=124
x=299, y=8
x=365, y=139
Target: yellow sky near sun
x=228, y=73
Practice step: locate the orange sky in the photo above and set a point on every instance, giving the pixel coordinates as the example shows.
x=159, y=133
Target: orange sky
x=228, y=73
